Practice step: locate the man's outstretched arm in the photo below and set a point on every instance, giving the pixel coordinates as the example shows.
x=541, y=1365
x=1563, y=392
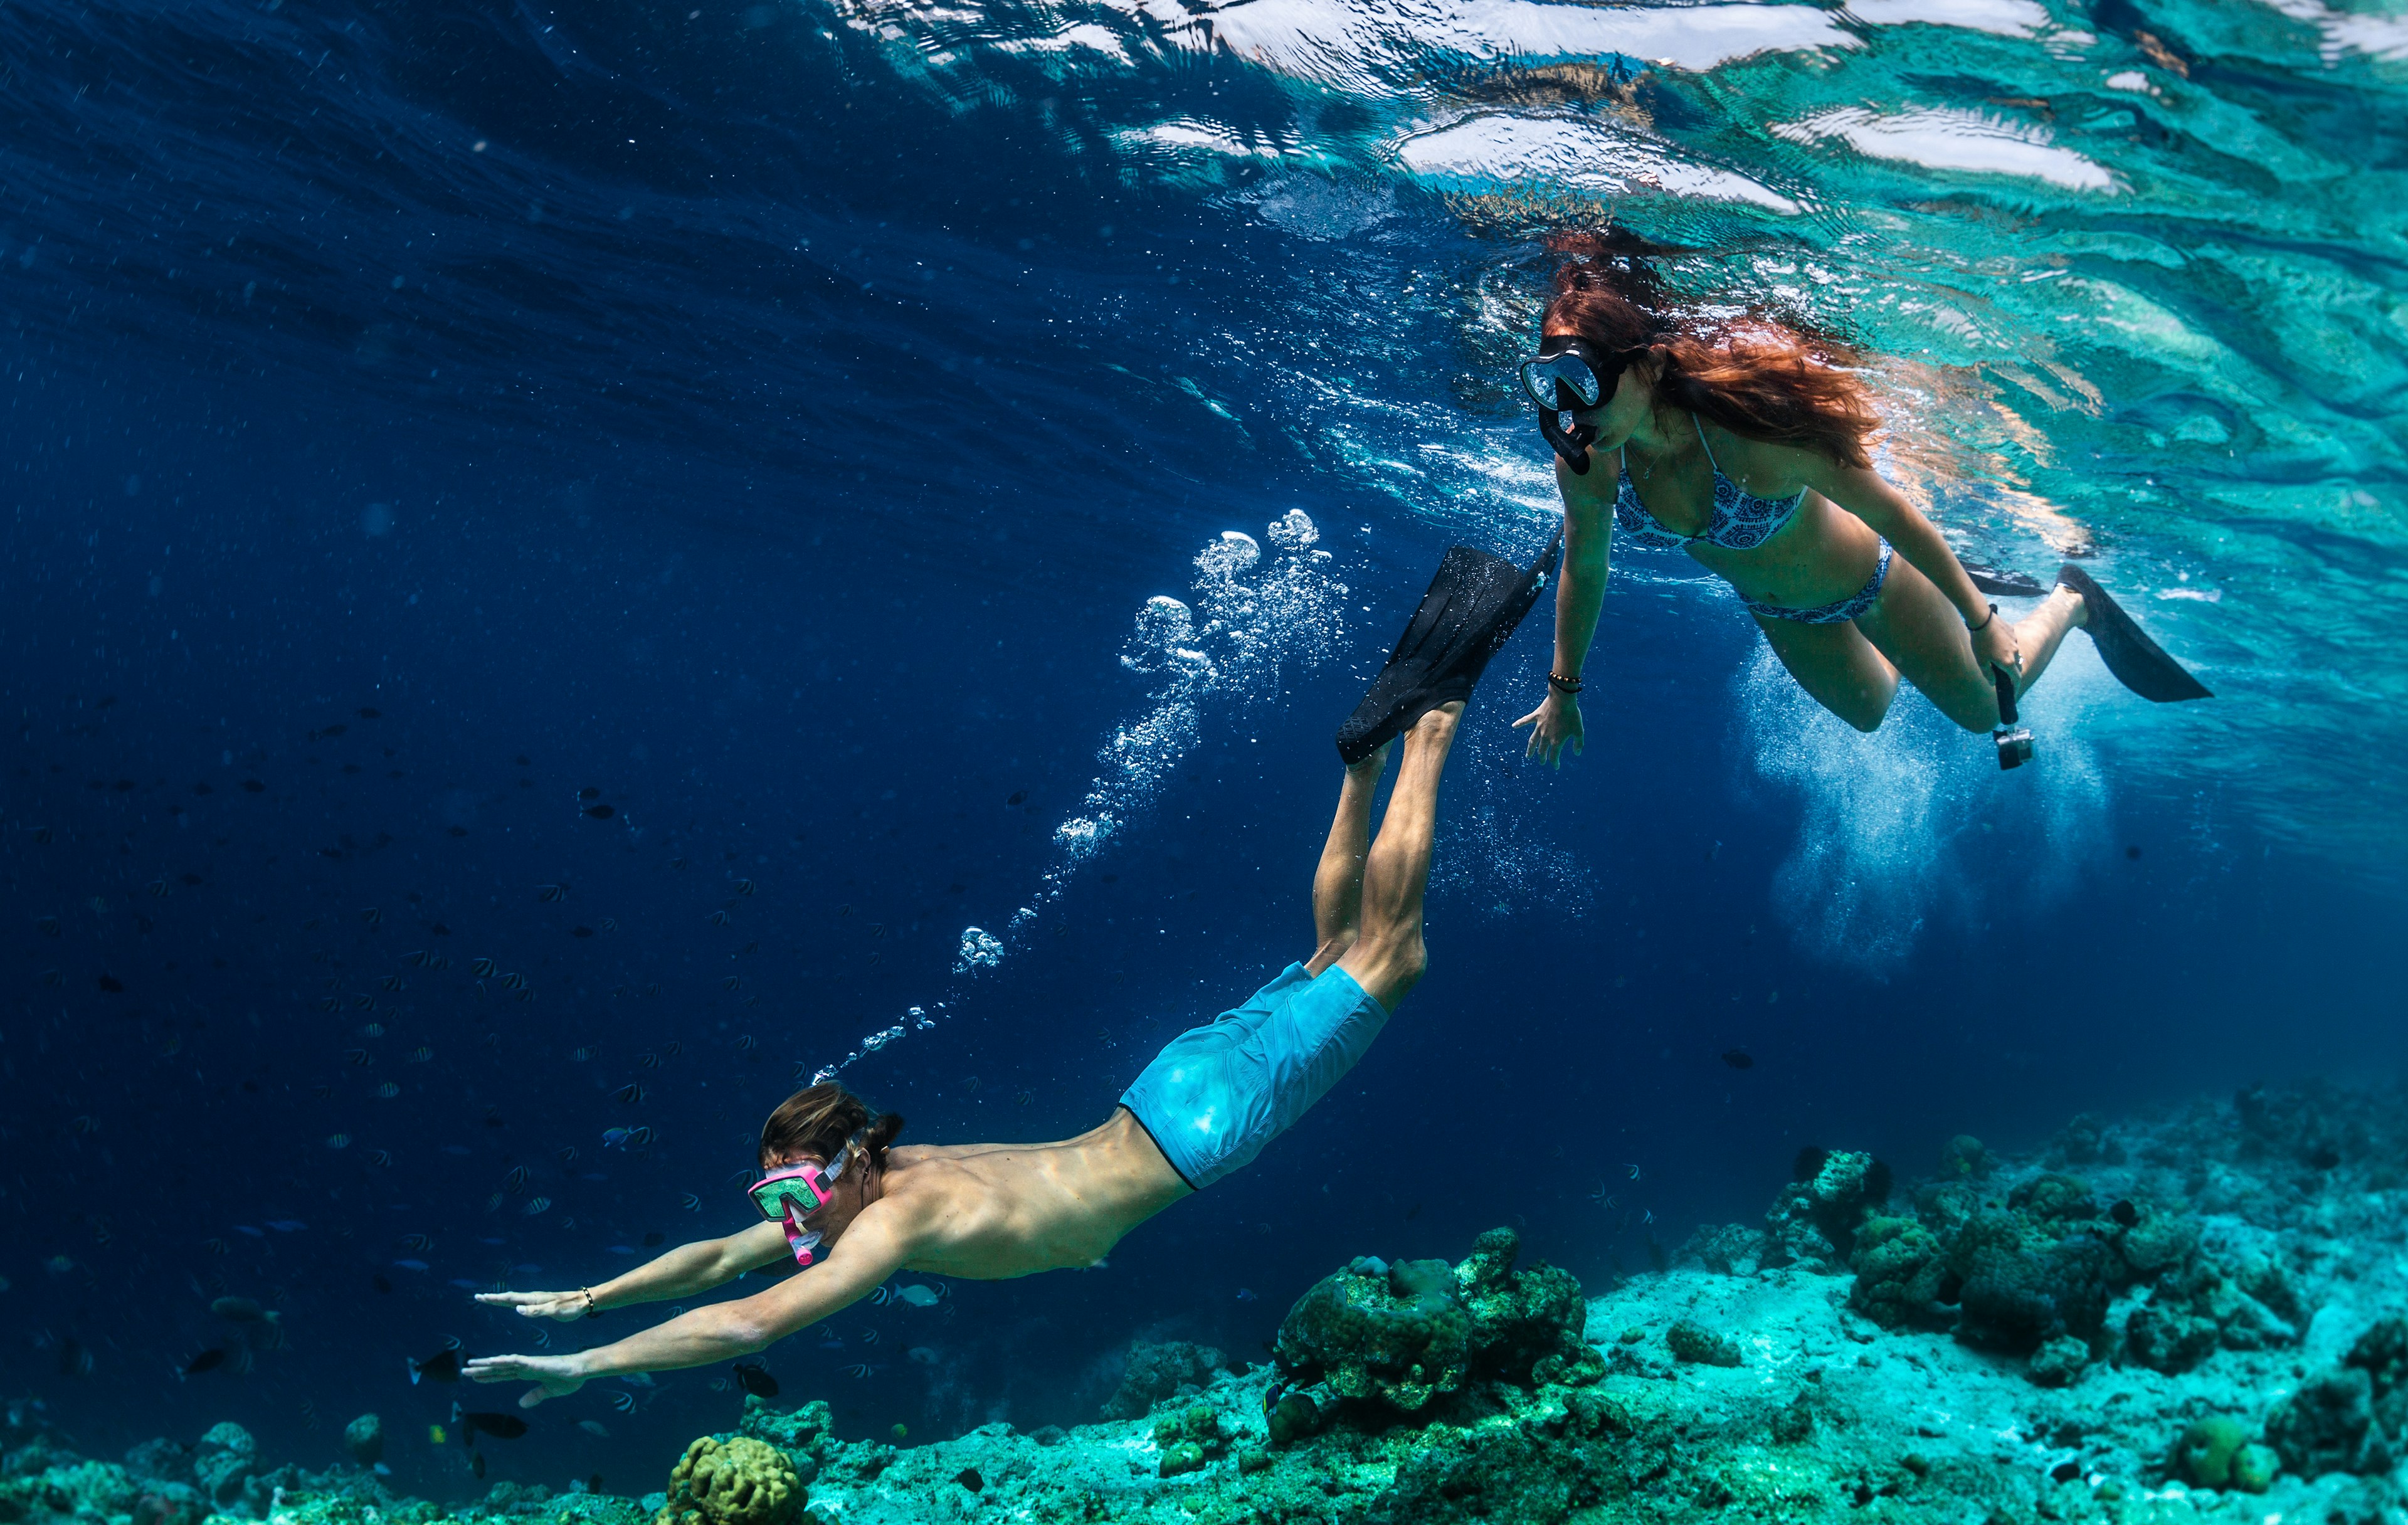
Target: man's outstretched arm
x=682, y=1271
x=872, y=1249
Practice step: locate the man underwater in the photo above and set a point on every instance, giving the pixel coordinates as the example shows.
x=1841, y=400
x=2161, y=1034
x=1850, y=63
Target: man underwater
x=853, y=1208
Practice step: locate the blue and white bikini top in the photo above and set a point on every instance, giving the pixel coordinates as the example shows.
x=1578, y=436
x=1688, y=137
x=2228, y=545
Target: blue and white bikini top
x=1741, y=520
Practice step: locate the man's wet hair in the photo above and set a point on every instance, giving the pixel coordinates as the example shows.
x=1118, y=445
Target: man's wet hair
x=818, y=1120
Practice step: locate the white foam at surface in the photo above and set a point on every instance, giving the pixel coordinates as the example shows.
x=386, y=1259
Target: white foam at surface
x=1938, y=137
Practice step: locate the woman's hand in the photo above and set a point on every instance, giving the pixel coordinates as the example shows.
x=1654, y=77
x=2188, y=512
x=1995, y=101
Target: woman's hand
x=1554, y=724
x=1994, y=646
x=564, y=1306
x=555, y=1376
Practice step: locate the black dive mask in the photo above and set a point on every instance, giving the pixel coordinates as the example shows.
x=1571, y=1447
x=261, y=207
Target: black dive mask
x=1569, y=373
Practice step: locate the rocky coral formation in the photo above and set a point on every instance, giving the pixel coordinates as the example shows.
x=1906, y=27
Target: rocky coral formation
x=738, y=1481
x=1156, y=1371
x=1405, y=1334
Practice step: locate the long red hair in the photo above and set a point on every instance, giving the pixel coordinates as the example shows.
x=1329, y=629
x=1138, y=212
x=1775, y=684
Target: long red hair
x=1763, y=377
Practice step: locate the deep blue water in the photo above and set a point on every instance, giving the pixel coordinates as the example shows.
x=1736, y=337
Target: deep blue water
x=775, y=419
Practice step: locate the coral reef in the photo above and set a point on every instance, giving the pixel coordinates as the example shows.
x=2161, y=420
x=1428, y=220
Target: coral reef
x=1406, y=1334
x=2198, y=1319
x=738, y=1481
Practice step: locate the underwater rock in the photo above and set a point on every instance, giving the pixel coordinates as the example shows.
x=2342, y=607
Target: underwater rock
x=1694, y=1343
x=2018, y=1287
x=1156, y=1371
x=1813, y=1220
x=1418, y=1330
x=1902, y=1268
x=2327, y=1425
x=1729, y=1249
x=1292, y=1419
x=1964, y=1159
x=740, y=1481
x=1183, y=1457
x=160, y=1460
x=1537, y=1471
x=2086, y=1140
x=2255, y=1467
x=2204, y=1455
x=2058, y=1362
x=363, y=1438
x=224, y=1461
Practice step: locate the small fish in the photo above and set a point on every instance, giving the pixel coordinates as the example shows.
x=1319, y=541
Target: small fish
x=744, y=887
x=208, y=1360
x=593, y=1427
x=415, y=958
x=648, y=1061
x=434, y=1436
x=565, y=1154
x=477, y=1465
x=1739, y=1058
x=536, y=1205
x=392, y=982
x=1633, y=1170
x=1245, y=1294
x=747, y=1043
x=287, y=1226
x=516, y=1181
x=217, y=1246
x=691, y=1202
x=339, y=1141
x=733, y=982
x=582, y=1055
x=869, y=1336
x=833, y=1342
x=239, y=1310
x=388, y=1090
x=442, y=1366
x=411, y=1265
x=550, y=892
x=600, y=812
x=483, y=967
x=623, y=1402
x=372, y=1029
x=514, y=982
x=358, y=1057
x=630, y=1094
x=370, y=915
x=917, y=1295
x=422, y=1054
x=719, y=918
x=971, y=1085
x=421, y=1243
x=380, y=1158
x=860, y=1372
x=363, y=1003
x=1026, y=1097
x=755, y=1379
x=158, y=888
x=1019, y=796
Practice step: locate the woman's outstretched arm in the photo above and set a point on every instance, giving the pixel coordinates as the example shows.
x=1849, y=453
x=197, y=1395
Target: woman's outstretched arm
x=1579, y=594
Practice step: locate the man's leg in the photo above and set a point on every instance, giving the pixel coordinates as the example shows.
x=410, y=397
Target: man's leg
x=1386, y=957
x=1338, y=883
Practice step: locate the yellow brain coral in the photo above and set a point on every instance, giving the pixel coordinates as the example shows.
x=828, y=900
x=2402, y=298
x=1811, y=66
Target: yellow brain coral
x=735, y=1482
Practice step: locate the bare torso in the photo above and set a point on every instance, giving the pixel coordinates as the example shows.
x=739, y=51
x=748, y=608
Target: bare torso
x=993, y=1211
x=1821, y=555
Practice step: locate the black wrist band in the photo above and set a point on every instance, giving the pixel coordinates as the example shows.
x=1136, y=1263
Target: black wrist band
x=1985, y=620
x=1562, y=684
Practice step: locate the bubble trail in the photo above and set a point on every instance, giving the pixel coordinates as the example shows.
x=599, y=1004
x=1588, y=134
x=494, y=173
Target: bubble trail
x=1236, y=640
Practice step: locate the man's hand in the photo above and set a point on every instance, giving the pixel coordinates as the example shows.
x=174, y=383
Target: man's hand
x=555, y=1376
x=564, y=1306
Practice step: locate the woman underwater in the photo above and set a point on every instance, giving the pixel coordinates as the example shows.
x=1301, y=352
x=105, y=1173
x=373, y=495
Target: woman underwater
x=1744, y=443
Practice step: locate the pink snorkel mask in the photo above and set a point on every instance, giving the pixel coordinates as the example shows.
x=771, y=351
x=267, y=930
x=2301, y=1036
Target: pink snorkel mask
x=791, y=1195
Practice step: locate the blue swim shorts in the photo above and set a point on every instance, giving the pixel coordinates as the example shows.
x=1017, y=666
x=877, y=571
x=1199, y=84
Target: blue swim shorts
x=1213, y=1098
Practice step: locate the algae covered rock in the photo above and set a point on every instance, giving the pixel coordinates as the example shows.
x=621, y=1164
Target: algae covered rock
x=2327, y=1425
x=1408, y=1333
x=1813, y=1221
x=2058, y=1362
x=363, y=1438
x=1402, y=1338
x=2205, y=1453
x=740, y=1481
x=1902, y=1268
x=1156, y=1371
x=224, y=1461
x=1692, y=1342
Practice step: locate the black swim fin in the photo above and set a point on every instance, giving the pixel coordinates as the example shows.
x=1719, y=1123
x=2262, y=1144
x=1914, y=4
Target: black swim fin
x=1472, y=608
x=2138, y=663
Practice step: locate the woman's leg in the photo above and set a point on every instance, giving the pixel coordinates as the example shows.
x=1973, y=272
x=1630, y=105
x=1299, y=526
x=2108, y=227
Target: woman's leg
x=1836, y=666
x=1914, y=626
